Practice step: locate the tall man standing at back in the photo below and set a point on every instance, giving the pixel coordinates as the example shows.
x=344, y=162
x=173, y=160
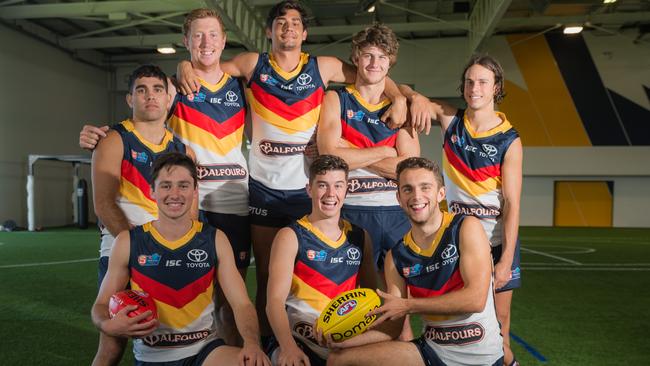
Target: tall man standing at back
x=285, y=90
x=482, y=163
x=121, y=174
x=350, y=127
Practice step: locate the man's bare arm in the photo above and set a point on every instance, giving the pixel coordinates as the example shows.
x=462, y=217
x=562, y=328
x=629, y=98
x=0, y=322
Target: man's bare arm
x=283, y=255
x=106, y=173
x=511, y=178
x=407, y=145
x=329, y=139
x=116, y=280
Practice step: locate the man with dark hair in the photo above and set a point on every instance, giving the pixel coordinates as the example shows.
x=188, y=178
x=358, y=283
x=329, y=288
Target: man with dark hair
x=440, y=270
x=183, y=261
x=313, y=260
x=482, y=162
x=349, y=127
x=285, y=89
x=121, y=174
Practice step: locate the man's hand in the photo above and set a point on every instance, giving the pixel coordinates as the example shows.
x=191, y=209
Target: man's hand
x=187, y=81
x=502, y=274
x=292, y=356
x=90, y=136
x=420, y=113
x=121, y=325
x=252, y=355
x=394, y=308
x=395, y=116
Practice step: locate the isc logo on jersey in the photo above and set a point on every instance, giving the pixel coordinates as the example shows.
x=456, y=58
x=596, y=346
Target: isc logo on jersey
x=197, y=259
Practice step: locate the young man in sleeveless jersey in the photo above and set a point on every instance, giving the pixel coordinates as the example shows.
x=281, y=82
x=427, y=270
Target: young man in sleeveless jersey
x=482, y=162
x=178, y=261
x=440, y=270
x=350, y=127
x=313, y=260
x=121, y=174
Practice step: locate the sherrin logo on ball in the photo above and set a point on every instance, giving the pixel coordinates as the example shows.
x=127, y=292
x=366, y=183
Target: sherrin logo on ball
x=345, y=316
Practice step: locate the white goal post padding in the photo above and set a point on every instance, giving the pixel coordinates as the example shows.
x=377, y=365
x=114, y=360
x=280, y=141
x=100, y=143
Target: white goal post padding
x=75, y=160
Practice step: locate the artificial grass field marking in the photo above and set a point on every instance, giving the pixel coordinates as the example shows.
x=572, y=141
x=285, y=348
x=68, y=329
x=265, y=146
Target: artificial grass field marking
x=572, y=250
x=551, y=256
x=528, y=348
x=610, y=269
x=47, y=263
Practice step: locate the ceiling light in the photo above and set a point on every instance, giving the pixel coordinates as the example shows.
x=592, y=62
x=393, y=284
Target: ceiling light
x=572, y=29
x=609, y=1
x=166, y=49
x=371, y=9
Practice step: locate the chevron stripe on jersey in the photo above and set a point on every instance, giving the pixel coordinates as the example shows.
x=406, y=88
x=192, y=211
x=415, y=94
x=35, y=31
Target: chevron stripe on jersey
x=362, y=128
x=211, y=122
x=180, y=276
x=135, y=173
x=316, y=277
x=472, y=170
x=284, y=109
x=323, y=269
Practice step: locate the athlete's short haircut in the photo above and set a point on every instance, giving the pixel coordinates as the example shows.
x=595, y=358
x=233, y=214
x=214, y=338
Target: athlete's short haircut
x=420, y=163
x=144, y=71
x=377, y=35
x=200, y=14
x=326, y=163
x=281, y=9
x=172, y=159
x=491, y=64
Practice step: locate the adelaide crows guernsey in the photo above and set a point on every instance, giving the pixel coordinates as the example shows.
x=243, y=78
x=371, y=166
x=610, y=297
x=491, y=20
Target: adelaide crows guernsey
x=362, y=128
x=211, y=122
x=180, y=276
x=134, y=197
x=284, y=107
x=472, y=171
x=323, y=269
x=436, y=271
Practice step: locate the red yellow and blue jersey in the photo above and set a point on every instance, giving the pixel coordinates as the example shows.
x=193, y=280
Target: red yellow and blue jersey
x=134, y=196
x=472, y=170
x=323, y=269
x=180, y=276
x=211, y=122
x=435, y=271
x=284, y=108
x=362, y=128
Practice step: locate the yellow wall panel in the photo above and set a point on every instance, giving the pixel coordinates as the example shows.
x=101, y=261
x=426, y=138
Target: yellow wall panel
x=521, y=112
x=582, y=204
x=547, y=90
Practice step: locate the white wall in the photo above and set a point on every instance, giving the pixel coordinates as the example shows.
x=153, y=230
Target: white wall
x=45, y=97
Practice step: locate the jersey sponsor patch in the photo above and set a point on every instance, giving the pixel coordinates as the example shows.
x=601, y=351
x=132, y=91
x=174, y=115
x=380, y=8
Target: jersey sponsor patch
x=480, y=211
x=221, y=172
x=306, y=330
x=149, y=260
x=457, y=335
x=175, y=339
x=358, y=185
x=274, y=148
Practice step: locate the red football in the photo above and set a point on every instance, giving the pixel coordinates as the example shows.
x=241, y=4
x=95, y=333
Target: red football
x=131, y=297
